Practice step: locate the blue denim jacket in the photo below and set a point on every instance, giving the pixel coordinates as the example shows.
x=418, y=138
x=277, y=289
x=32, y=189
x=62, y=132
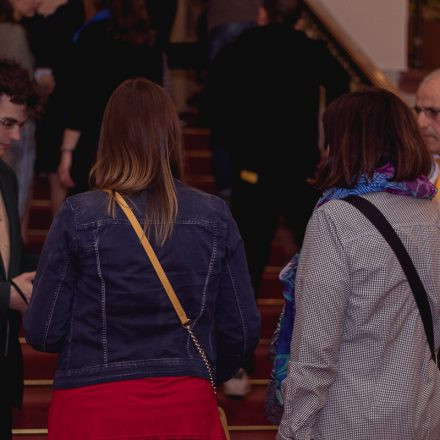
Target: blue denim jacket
x=98, y=302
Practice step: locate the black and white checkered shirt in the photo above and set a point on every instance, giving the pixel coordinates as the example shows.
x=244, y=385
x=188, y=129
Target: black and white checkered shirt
x=361, y=367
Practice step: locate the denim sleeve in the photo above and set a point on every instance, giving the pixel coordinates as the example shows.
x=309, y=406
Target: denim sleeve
x=47, y=319
x=237, y=316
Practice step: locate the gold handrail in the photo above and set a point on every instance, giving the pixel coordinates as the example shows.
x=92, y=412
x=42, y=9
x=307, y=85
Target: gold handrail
x=366, y=69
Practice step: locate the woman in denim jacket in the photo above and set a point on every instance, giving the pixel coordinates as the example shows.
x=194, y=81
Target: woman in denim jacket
x=126, y=367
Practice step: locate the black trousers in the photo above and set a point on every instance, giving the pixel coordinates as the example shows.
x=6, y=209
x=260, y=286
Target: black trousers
x=5, y=421
x=257, y=209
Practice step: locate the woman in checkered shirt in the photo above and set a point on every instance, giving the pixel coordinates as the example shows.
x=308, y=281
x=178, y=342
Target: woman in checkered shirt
x=361, y=367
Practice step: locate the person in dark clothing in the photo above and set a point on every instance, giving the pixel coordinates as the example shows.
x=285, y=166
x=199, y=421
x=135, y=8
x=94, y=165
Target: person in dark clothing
x=264, y=98
x=162, y=15
x=51, y=33
x=17, y=99
x=115, y=45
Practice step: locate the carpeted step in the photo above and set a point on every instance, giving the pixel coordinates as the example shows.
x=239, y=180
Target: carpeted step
x=35, y=240
x=262, y=362
x=271, y=286
x=198, y=162
x=245, y=411
x=38, y=365
x=27, y=435
x=268, y=434
x=196, y=139
x=34, y=413
x=40, y=216
x=269, y=319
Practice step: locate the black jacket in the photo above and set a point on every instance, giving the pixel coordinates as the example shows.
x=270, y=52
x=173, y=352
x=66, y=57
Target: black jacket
x=264, y=92
x=11, y=366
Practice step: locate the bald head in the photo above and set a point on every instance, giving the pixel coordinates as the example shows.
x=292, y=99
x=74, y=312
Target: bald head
x=428, y=109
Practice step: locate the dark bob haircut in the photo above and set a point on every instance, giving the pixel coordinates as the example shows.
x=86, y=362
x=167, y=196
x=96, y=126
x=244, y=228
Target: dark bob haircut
x=365, y=130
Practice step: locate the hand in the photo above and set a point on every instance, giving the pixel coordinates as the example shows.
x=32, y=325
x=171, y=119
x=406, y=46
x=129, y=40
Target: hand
x=48, y=7
x=46, y=84
x=64, y=169
x=24, y=282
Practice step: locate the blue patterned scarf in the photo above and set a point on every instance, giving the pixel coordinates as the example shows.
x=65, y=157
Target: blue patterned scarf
x=380, y=181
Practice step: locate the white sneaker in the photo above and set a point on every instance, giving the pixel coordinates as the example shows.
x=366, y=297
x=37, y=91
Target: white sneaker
x=239, y=385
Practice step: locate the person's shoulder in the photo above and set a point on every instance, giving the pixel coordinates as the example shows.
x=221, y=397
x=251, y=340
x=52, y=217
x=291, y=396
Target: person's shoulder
x=406, y=210
x=93, y=31
x=193, y=201
x=401, y=211
x=87, y=198
x=186, y=192
x=12, y=30
x=88, y=205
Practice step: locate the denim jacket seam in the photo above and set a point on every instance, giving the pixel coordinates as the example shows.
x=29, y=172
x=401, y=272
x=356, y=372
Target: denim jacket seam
x=243, y=324
x=117, y=221
x=133, y=363
x=208, y=276
x=205, y=289
x=103, y=312
x=53, y=303
x=69, y=344
x=75, y=215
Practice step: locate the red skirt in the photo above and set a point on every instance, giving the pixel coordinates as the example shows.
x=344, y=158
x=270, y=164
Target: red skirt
x=165, y=408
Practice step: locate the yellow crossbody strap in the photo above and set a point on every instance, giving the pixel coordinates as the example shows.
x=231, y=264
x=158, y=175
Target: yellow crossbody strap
x=153, y=258
x=185, y=321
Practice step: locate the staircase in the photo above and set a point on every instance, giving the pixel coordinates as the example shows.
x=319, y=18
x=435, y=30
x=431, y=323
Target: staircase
x=245, y=416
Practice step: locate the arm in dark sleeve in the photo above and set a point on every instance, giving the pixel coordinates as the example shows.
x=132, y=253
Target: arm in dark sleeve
x=237, y=317
x=29, y=262
x=332, y=75
x=47, y=318
x=322, y=295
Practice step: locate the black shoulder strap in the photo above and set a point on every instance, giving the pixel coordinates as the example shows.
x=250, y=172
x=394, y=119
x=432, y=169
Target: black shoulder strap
x=381, y=223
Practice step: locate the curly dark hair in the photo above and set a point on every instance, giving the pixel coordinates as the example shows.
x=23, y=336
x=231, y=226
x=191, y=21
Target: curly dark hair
x=16, y=83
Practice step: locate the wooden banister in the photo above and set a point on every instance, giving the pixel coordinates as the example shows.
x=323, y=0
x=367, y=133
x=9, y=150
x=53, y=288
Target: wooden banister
x=357, y=62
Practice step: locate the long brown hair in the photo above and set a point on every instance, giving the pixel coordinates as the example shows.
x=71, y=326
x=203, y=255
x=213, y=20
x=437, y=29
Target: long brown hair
x=140, y=147
x=366, y=129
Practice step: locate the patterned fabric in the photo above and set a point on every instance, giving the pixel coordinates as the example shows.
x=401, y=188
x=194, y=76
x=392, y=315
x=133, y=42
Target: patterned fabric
x=361, y=367
x=436, y=181
x=420, y=188
x=280, y=344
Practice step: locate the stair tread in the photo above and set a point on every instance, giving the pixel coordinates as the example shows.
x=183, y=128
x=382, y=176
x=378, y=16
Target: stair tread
x=38, y=365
